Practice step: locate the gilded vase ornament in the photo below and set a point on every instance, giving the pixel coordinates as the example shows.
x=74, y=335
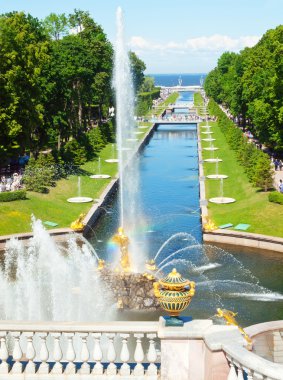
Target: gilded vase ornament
x=174, y=294
x=123, y=241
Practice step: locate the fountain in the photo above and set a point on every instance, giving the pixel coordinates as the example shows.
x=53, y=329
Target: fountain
x=217, y=175
x=211, y=146
x=112, y=160
x=99, y=175
x=79, y=198
x=65, y=280
x=221, y=199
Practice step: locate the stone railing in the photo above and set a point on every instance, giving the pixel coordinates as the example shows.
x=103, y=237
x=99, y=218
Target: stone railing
x=130, y=350
x=37, y=350
x=247, y=365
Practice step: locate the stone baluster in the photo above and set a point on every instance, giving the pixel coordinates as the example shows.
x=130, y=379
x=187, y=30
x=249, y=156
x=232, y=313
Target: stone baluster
x=43, y=354
x=151, y=355
x=17, y=353
x=30, y=353
x=57, y=354
x=85, y=368
x=97, y=355
x=249, y=374
x=232, y=373
x=111, y=356
x=70, y=355
x=4, y=367
x=139, y=356
x=240, y=373
x=125, y=369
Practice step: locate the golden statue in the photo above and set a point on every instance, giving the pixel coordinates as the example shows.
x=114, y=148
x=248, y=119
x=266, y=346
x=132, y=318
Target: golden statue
x=78, y=224
x=150, y=265
x=229, y=316
x=209, y=225
x=101, y=264
x=123, y=241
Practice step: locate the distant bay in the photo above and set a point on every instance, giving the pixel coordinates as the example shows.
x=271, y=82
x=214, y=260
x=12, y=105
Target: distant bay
x=173, y=79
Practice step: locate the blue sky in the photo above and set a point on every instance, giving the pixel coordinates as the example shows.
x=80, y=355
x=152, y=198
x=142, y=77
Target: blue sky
x=180, y=36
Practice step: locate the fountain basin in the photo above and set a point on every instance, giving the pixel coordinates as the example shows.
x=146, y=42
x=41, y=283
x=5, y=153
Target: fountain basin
x=79, y=200
x=211, y=148
x=99, y=176
x=217, y=176
x=112, y=160
x=208, y=140
x=213, y=160
x=207, y=133
x=222, y=200
x=132, y=140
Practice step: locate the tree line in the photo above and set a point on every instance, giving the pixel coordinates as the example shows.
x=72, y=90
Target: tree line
x=250, y=84
x=55, y=85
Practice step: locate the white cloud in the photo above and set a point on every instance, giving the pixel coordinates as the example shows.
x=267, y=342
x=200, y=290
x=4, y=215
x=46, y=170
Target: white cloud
x=198, y=54
x=216, y=43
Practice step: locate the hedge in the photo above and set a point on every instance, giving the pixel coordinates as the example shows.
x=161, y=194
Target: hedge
x=8, y=196
x=276, y=197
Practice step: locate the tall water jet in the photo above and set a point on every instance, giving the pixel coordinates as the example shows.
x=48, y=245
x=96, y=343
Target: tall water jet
x=127, y=163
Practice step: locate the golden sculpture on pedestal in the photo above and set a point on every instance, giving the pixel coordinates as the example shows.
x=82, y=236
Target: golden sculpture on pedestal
x=123, y=241
x=150, y=265
x=229, y=317
x=101, y=264
x=78, y=224
x=174, y=294
x=209, y=225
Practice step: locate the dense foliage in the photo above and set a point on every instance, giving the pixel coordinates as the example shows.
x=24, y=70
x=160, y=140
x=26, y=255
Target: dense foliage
x=8, y=196
x=275, y=197
x=56, y=90
x=250, y=84
x=255, y=162
x=56, y=85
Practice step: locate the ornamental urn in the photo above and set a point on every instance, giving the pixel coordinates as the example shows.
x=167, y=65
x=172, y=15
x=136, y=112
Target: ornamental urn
x=174, y=293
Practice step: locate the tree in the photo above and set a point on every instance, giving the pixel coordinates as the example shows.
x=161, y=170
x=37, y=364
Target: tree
x=24, y=51
x=147, y=85
x=56, y=25
x=138, y=67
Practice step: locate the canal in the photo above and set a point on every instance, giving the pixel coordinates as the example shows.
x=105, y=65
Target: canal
x=248, y=282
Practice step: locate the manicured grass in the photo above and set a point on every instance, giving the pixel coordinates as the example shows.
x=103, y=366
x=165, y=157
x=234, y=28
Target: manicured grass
x=171, y=99
x=15, y=216
x=198, y=101
x=251, y=206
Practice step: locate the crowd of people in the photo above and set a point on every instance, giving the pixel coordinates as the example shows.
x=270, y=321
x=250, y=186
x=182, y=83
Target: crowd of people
x=11, y=183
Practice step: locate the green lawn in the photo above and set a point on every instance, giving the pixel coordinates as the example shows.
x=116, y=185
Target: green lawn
x=16, y=216
x=171, y=99
x=251, y=206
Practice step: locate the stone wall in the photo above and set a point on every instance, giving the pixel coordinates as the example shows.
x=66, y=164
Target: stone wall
x=132, y=291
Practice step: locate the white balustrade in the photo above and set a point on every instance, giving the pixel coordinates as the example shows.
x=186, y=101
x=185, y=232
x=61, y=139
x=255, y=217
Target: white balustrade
x=64, y=350
x=4, y=367
x=125, y=356
x=17, y=353
x=255, y=367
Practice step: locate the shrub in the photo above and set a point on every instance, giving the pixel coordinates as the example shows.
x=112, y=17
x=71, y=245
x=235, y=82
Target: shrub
x=40, y=173
x=255, y=162
x=8, y=196
x=96, y=140
x=276, y=197
x=74, y=152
